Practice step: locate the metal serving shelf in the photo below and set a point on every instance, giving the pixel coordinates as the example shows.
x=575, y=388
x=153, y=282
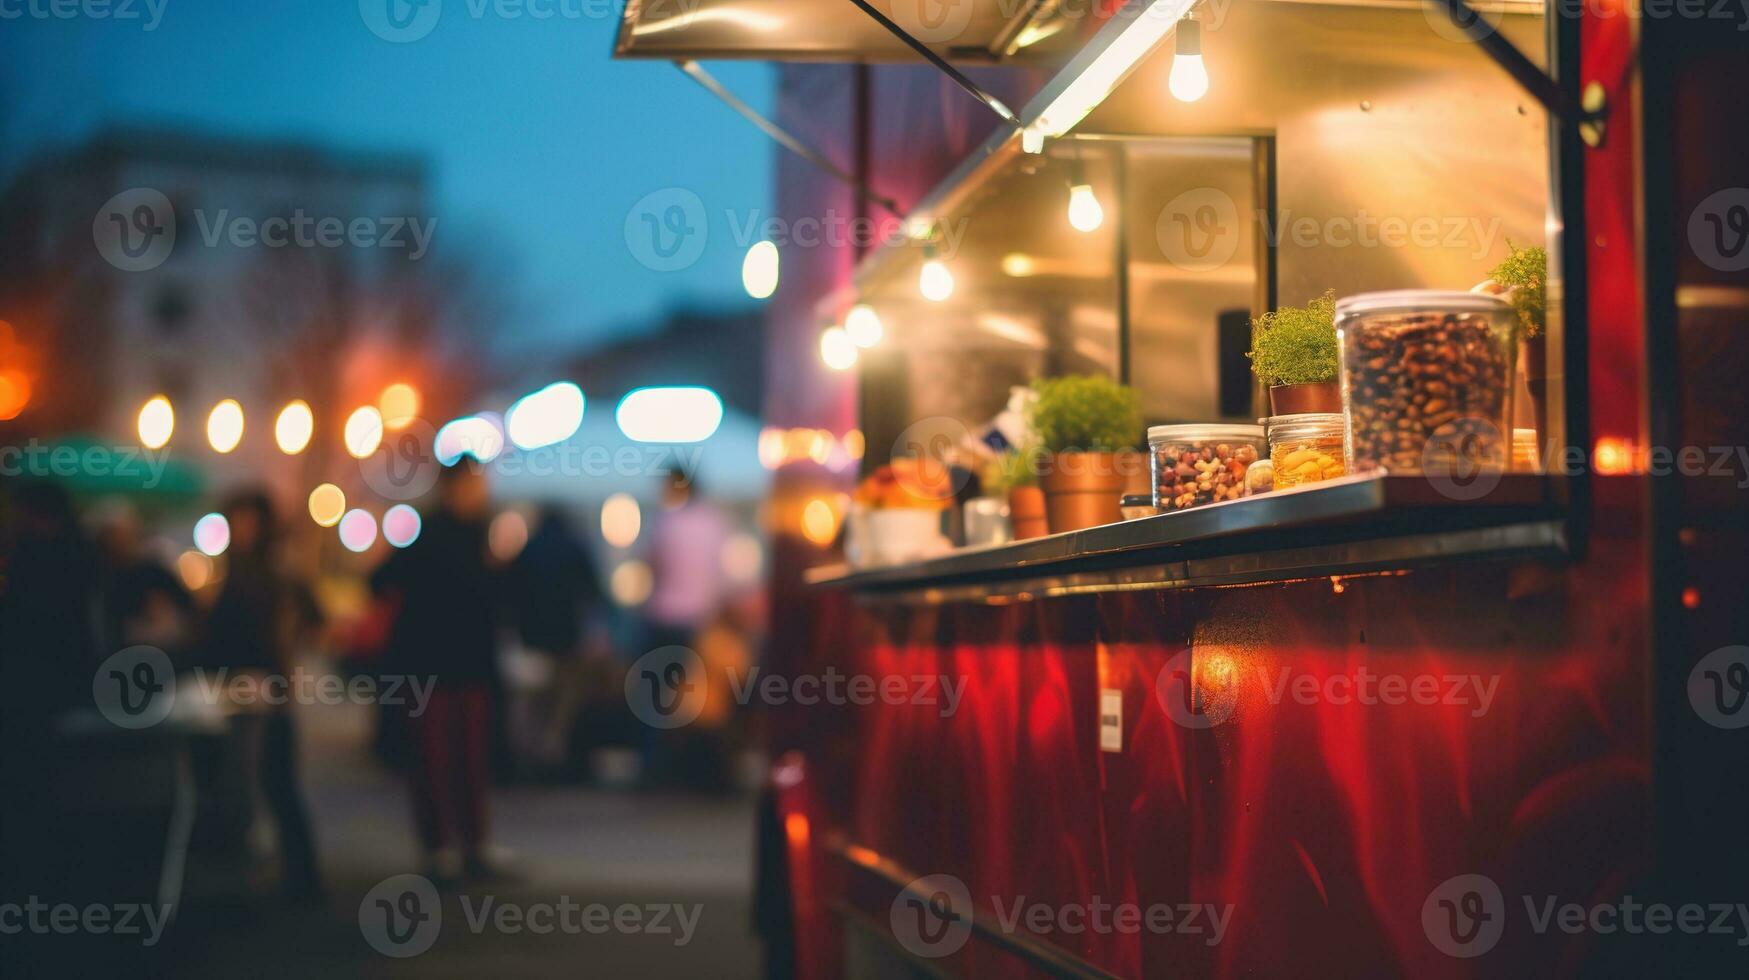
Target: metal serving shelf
x=1342, y=527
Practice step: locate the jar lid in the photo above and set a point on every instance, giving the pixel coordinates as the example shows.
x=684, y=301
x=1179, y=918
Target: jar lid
x=1306, y=424
x=1204, y=432
x=1411, y=300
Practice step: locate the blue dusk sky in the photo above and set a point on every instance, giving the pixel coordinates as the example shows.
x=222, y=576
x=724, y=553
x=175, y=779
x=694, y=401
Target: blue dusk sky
x=533, y=134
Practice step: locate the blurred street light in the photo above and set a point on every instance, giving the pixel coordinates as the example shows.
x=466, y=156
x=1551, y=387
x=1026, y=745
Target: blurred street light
x=399, y=404
x=759, y=270
x=669, y=415
x=212, y=535
x=157, y=422
x=364, y=431
x=546, y=417
x=224, y=426
x=294, y=427
x=327, y=505
x=837, y=349
x=358, y=530
x=621, y=520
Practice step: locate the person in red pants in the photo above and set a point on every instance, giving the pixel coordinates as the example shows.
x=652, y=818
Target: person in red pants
x=445, y=636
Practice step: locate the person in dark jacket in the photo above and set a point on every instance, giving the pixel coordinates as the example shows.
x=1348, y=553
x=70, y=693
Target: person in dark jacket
x=252, y=627
x=552, y=585
x=446, y=635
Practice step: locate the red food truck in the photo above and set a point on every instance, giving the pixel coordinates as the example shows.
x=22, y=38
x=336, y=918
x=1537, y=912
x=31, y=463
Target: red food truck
x=1467, y=701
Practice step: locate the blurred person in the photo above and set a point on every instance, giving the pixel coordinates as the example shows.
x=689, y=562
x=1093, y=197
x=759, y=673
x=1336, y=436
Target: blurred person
x=257, y=621
x=685, y=555
x=445, y=634
x=688, y=589
x=48, y=635
x=553, y=585
x=142, y=602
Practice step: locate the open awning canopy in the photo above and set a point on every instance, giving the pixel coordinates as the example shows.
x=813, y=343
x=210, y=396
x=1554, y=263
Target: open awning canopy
x=971, y=31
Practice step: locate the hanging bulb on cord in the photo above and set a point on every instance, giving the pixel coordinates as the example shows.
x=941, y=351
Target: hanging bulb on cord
x=1085, y=214
x=1189, y=79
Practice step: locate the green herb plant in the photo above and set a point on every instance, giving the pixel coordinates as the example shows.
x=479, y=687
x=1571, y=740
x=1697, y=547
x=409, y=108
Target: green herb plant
x=1084, y=413
x=1296, y=345
x=1526, y=271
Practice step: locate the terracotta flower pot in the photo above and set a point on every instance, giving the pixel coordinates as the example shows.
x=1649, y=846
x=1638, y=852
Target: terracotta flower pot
x=1138, y=479
x=1316, y=396
x=1082, y=490
x=1026, y=513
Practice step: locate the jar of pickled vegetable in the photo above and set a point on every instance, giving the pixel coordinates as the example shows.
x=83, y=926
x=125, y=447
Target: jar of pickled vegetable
x=1305, y=448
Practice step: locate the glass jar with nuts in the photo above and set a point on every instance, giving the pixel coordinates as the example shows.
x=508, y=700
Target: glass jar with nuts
x=1426, y=380
x=1306, y=448
x=1201, y=464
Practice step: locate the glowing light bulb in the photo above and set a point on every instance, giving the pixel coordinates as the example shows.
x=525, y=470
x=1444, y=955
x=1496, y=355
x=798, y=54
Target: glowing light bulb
x=863, y=325
x=934, y=281
x=837, y=349
x=759, y=270
x=293, y=428
x=157, y=421
x=1085, y=214
x=1189, y=79
x=224, y=427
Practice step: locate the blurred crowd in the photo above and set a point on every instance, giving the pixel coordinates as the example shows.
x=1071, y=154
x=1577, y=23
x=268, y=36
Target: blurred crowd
x=482, y=665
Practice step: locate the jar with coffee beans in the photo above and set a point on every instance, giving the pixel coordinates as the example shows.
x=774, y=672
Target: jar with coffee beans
x=1427, y=380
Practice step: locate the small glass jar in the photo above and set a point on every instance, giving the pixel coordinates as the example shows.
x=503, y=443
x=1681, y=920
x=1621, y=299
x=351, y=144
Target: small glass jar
x=1306, y=448
x=1427, y=380
x=1136, y=506
x=1201, y=464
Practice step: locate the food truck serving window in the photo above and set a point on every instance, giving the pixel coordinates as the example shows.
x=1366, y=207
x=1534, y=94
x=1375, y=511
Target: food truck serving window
x=1270, y=155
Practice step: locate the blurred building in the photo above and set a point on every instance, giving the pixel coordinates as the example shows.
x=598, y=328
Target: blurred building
x=201, y=268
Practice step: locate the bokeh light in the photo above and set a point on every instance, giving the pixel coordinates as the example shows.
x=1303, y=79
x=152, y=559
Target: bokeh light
x=507, y=535
x=294, y=427
x=631, y=583
x=327, y=505
x=472, y=435
x=669, y=415
x=837, y=349
x=621, y=520
x=14, y=394
x=401, y=525
x=742, y=559
x=399, y=405
x=157, y=421
x=224, y=426
x=759, y=270
x=863, y=325
x=194, y=569
x=364, y=431
x=819, y=522
x=358, y=530
x=212, y=535
x=548, y=416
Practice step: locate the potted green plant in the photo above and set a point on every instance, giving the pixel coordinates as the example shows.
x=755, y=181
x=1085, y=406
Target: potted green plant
x=1293, y=351
x=1522, y=280
x=1014, y=475
x=1084, y=425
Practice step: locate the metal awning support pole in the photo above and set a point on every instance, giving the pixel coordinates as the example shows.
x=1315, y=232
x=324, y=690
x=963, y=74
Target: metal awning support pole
x=696, y=71
x=950, y=71
x=1487, y=36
